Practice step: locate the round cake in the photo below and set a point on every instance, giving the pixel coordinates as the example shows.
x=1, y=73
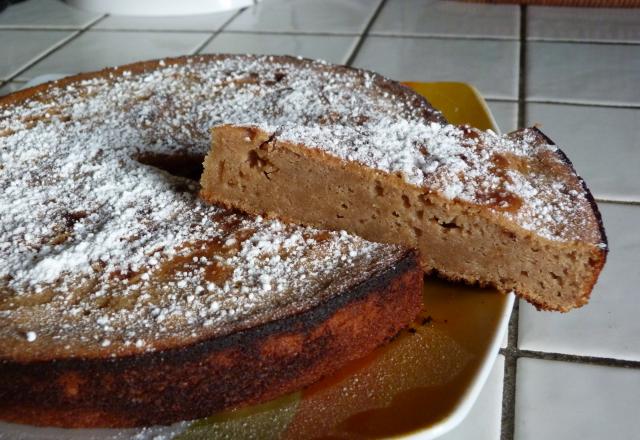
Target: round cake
x=125, y=299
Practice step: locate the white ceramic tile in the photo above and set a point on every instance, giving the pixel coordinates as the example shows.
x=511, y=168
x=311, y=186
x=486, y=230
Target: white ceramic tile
x=434, y=17
x=491, y=66
x=95, y=50
x=45, y=14
x=603, y=144
x=203, y=22
x=484, y=419
x=505, y=113
x=505, y=337
x=19, y=48
x=331, y=48
x=608, y=326
x=44, y=78
x=307, y=16
x=570, y=401
x=583, y=73
x=10, y=87
x=583, y=24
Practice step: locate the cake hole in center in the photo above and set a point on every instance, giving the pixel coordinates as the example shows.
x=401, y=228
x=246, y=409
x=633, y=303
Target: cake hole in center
x=183, y=165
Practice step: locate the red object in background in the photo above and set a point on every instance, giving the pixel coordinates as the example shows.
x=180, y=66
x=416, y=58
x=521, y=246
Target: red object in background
x=579, y=3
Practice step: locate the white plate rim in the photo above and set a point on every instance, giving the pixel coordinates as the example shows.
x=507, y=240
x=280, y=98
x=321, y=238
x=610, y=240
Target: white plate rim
x=472, y=392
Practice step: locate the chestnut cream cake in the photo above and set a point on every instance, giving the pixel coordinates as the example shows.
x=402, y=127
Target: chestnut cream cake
x=125, y=300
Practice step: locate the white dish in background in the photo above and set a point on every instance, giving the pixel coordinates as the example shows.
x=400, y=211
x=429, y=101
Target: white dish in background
x=159, y=7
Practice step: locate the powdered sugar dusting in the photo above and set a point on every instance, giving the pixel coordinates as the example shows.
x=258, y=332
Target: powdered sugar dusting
x=93, y=240
x=75, y=195
x=114, y=253
x=517, y=176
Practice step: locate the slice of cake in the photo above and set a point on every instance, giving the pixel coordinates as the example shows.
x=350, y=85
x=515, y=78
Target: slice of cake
x=507, y=211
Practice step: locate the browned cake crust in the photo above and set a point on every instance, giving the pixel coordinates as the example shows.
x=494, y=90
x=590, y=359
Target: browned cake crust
x=192, y=382
x=124, y=299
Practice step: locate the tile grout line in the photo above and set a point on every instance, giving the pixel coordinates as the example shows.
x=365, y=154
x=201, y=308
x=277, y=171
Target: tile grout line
x=56, y=47
x=509, y=380
x=346, y=34
x=218, y=32
x=570, y=358
x=507, y=429
x=94, y=22
x=365, y=33
x=46, y=29
x=583, y=104
x=522, y=68
x=619, y=202
x=444, y=37
x=505, y=100
x=577, y=359
x=576, y=41
x=295, y=33
x=233, y=31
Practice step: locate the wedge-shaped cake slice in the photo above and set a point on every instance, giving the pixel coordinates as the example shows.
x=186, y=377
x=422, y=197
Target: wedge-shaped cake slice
x=507, y=211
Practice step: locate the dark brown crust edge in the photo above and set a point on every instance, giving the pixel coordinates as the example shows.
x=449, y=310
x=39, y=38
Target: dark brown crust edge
x=597, y=263
x=247, y=367
x=195, y=381
x=592, y=202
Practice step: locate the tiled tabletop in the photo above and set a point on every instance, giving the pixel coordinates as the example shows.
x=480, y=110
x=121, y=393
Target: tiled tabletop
x=573, y=71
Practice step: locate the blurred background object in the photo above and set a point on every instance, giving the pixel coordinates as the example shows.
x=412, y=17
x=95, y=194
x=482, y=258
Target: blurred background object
x=5, y=3
x=159, y=7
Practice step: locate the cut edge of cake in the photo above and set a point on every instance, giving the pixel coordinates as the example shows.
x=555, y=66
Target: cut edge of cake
x=261, y=172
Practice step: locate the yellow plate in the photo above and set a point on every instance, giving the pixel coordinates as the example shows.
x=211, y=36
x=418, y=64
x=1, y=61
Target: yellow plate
x=461, y=103
x=422, y=384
